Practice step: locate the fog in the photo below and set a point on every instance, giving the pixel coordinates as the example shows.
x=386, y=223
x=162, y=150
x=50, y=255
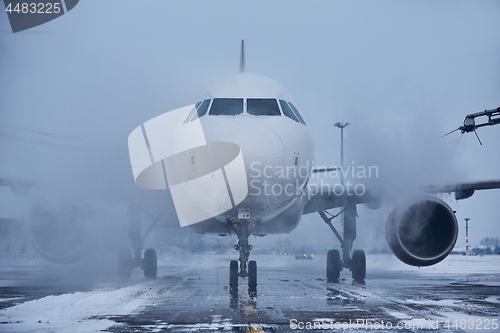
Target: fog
x=401, y=73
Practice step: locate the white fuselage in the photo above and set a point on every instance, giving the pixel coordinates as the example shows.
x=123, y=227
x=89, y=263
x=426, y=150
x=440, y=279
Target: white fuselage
x=277, y=153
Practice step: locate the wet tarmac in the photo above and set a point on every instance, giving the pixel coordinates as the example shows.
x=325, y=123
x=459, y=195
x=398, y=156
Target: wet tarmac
x=461, y=294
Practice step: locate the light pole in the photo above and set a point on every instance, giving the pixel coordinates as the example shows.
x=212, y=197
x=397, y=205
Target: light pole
x=341, y=125
x=467, y=251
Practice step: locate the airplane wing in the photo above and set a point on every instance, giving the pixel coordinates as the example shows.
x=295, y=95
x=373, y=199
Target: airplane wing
x=18, y=186
x=463, y=190
x=40, y=138
x=327, y=192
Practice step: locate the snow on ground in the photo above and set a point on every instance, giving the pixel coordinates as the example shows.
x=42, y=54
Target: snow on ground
x=453, y=265
x=493, y=299
x=87, y=311
x=76, y=312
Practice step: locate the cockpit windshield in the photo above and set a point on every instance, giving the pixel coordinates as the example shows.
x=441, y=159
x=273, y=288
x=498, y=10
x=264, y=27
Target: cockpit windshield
x=287, y=111
x=199, y=110
x=263, y=107
x=202, y=110
x=291, y=111
x=193, y=110
x=227, y=106
x=297, y=113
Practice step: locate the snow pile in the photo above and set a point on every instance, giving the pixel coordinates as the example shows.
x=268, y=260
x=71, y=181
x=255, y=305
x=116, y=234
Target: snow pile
x=77, y=312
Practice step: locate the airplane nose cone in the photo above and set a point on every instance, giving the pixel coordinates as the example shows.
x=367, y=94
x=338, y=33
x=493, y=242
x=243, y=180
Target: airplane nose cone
x=257, y=143
x=263, y=155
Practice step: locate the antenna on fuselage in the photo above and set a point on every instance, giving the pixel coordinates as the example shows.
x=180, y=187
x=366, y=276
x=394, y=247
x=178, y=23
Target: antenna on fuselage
x=242, y=56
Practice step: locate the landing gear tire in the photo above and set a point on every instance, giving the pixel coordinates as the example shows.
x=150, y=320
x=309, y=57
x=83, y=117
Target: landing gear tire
x=252, y=278
x=358, y=266
x=124, y=264
x=150, y=264
x=333, y=266
x=233, y=277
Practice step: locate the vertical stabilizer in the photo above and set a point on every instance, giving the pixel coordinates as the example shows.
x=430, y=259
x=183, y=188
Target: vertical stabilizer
x=242, y=56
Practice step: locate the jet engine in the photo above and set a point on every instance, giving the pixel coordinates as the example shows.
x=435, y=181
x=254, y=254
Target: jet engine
x=59, y=229
x=422, y=232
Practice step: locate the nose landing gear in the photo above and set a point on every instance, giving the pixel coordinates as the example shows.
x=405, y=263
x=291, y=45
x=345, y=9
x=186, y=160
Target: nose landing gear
x=243, y=229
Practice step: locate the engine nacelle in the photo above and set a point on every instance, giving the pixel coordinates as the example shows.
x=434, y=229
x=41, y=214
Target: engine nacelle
x=422, y=232
x=59, y=229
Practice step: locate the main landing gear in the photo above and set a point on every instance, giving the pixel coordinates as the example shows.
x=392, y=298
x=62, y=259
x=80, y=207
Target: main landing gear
x=126, y=261
x=243, y=228
x=357, y=263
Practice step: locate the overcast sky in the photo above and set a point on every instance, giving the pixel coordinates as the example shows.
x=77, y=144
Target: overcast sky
x=402, y=73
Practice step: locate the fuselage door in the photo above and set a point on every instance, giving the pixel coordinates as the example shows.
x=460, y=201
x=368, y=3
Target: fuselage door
x=296, y=160
x=192, y=159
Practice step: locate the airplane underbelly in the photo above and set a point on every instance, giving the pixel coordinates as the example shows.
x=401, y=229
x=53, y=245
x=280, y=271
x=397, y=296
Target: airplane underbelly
x=281, y=221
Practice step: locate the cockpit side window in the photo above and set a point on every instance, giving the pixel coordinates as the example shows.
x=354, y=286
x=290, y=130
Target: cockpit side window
x=193, y=110
x=202, y=110
x=297, y=113
x=287, y=111
x=263, y=107
x=227, y=106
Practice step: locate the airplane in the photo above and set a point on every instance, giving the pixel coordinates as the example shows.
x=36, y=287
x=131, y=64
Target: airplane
x=240, y=162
